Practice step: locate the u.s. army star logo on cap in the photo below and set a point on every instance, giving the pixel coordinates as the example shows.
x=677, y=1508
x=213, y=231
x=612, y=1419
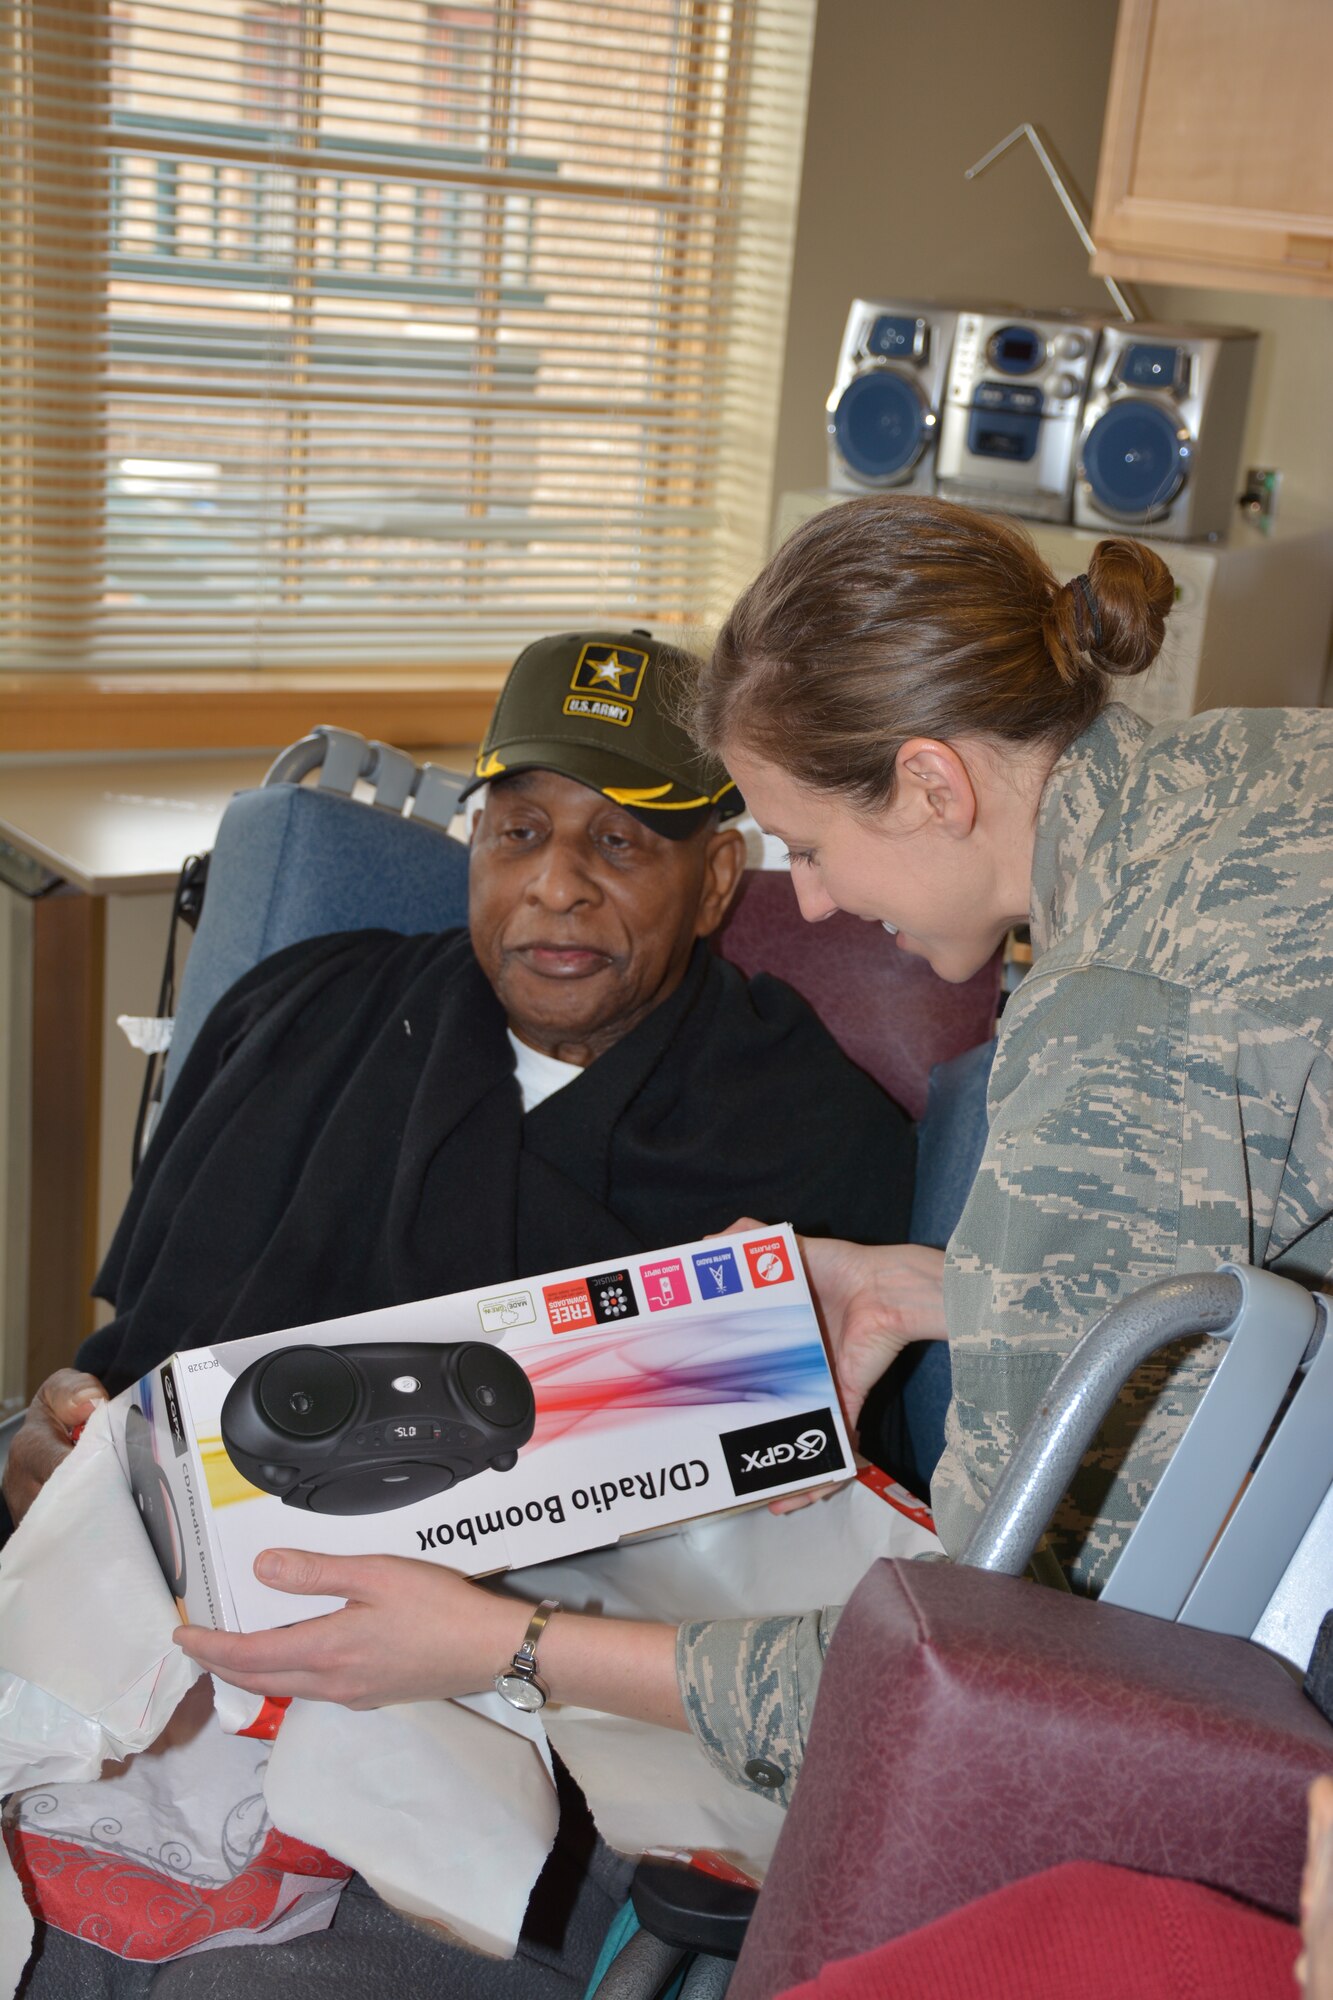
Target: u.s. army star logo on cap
x=610, y=670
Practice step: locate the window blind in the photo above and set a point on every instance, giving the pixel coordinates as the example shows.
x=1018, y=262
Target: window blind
x=390, y=334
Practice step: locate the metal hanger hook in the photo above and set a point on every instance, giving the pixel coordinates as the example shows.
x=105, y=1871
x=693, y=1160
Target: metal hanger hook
x=1062, y=184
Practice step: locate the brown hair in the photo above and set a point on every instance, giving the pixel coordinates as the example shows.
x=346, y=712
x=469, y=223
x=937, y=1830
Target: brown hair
x=900, y=616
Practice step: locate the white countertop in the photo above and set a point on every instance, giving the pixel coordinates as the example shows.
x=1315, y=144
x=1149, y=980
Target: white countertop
x=123, y=825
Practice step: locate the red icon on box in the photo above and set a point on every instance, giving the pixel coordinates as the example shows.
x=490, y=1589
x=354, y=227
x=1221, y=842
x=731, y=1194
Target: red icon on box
x=568, y=1306
x=664, y=1285
x=768, y=1261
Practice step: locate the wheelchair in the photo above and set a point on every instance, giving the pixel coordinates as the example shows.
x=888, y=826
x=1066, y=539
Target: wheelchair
x=369, y=843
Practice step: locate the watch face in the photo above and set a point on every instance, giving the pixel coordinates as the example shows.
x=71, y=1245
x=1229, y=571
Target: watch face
x=520, y=1692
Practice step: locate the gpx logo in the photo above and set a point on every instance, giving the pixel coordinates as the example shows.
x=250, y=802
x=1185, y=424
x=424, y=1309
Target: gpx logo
x=808, y=1445
x=777, y=1454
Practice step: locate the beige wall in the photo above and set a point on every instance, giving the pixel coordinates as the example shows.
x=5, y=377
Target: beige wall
x=15, y=1140
x=136, y=942
x=903, y=98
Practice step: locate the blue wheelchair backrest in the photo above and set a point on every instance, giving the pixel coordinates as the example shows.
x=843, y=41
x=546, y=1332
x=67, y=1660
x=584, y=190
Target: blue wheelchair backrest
x=292, y=862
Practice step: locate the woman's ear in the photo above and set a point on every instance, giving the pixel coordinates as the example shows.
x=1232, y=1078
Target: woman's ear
x=935, y=786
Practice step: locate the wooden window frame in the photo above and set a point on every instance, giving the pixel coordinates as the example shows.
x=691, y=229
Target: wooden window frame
x=199, y=709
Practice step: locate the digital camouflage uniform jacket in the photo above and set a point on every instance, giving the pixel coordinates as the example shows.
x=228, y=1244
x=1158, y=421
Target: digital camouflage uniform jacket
x=1162, y=1096
x=1161, y=1101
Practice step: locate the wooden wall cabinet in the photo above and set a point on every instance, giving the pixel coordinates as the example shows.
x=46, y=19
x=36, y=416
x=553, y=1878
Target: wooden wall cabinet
x=1217, y=152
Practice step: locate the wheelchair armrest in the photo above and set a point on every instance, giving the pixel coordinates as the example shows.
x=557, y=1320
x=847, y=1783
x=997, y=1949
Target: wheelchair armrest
x=691, y=1924
x=972, y=1729
x=690, y=1908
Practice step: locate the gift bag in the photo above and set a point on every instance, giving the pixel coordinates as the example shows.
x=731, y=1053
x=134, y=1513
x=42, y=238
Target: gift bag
x=170, y=1850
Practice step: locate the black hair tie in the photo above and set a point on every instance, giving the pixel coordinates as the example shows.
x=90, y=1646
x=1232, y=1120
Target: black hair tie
x=1089, y=605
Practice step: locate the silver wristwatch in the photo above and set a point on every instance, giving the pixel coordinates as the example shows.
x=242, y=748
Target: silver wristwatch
x=518, y=1682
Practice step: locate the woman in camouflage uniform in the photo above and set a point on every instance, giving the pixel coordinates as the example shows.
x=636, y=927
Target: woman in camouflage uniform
x=913, y=703
x=908, y=697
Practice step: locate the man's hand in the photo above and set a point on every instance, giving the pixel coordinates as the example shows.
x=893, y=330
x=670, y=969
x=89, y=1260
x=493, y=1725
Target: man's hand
x=64, y=1401
x=409, y=1631
x=873, y=1299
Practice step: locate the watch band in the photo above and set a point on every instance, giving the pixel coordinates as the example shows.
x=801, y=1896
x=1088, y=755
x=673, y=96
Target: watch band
x=526, y=1656
x=518, y=1682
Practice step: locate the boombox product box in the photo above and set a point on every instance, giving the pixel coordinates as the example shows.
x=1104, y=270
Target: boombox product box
x=489, y=1429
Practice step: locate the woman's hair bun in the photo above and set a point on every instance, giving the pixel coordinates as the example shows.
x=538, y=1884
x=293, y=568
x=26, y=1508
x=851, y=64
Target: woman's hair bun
x=1113, y=618
x=900, y=615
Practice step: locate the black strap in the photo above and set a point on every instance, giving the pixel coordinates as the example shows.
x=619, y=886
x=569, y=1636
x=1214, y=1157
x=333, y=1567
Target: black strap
x=186, y=906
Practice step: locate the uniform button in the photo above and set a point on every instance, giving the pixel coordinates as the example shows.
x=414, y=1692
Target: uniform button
x=760, y=1772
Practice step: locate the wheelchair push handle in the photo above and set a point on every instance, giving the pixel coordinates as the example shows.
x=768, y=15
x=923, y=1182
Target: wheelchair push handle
x=1076, y=1404
x=344, y=759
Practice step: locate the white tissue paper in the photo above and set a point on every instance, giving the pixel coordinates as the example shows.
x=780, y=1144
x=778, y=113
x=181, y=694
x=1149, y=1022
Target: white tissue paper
x=401, y=1819
x=88, y=1672
x=85, y=1625
x=149, y=1033
x=89, y=1677
x=650, y=1787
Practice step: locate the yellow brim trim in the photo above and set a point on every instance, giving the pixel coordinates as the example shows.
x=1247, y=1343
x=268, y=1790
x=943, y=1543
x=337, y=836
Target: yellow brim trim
x=650, y=796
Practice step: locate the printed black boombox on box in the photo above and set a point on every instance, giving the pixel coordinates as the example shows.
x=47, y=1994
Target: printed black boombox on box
x=490, y=1429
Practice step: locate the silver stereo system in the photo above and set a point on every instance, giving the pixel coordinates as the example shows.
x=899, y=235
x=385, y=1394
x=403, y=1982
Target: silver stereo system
x=883, y=414
x=1013, y=410
x=1163, y=430
x=1055, y=416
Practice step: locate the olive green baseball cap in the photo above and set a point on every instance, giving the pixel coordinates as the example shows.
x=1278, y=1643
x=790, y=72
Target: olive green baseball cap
x=595, y=707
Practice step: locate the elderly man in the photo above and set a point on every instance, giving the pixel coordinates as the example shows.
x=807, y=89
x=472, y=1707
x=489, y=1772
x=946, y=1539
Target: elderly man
x=367, y=1119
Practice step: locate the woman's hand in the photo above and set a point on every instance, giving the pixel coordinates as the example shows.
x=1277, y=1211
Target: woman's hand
x=873, y=1299
x=414, y=1631
x=409, y=1631
x=65, y=1401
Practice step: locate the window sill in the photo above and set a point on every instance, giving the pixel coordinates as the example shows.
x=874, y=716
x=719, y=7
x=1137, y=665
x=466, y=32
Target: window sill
x=208, y=710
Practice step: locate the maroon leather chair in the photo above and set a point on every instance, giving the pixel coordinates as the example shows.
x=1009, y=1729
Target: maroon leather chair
x=973, y=1729
x=888, y=1011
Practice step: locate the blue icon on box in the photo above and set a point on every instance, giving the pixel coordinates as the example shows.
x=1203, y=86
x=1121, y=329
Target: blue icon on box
x=717, y=1273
